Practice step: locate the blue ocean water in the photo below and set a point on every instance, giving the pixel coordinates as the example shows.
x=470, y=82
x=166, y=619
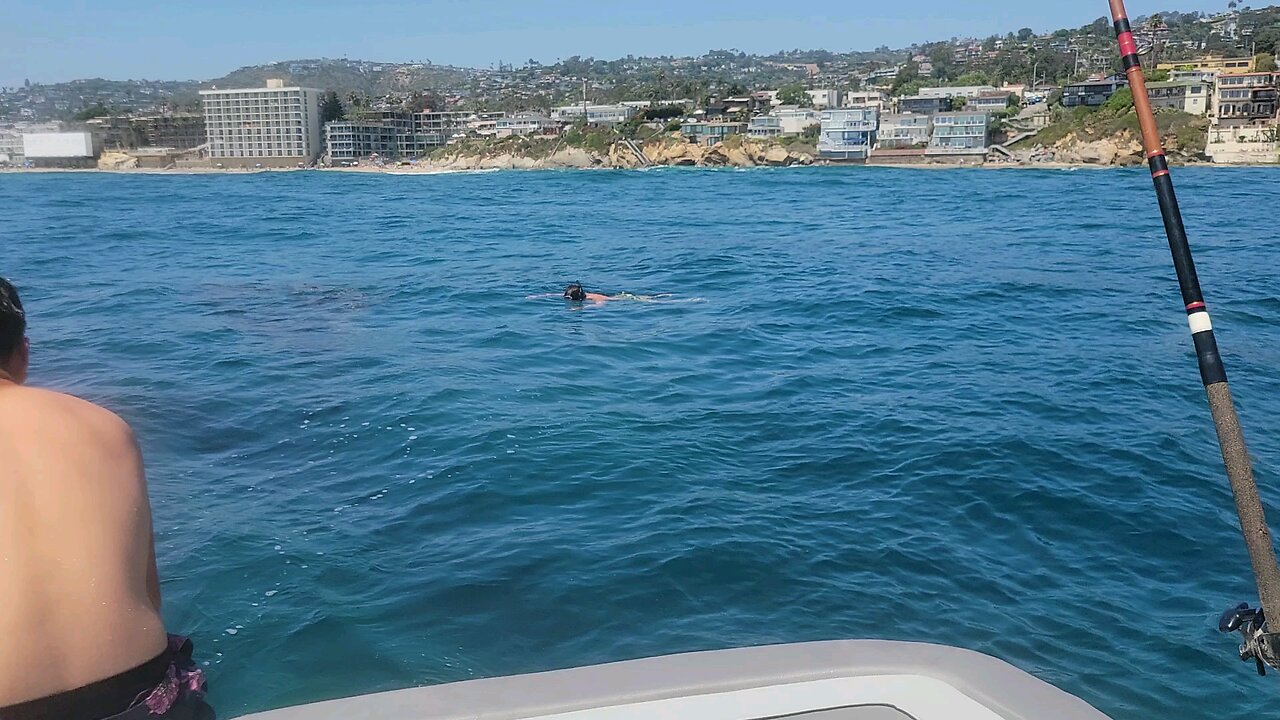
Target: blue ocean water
x=956, y=407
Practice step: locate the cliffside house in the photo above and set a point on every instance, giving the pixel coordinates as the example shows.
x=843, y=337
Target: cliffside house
x=848, y=133
x=899, y=132
x=709, y=133
x=527, y=124
x=959, y=133
x=1189, y=96
x=1093, y=93
x=1247, y=100
x=989, y=102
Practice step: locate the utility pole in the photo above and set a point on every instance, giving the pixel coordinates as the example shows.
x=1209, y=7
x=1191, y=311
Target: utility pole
x=585, y=122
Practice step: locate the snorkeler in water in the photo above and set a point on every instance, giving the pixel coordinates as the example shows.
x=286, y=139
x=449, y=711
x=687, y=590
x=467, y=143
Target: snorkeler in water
x=576, y=293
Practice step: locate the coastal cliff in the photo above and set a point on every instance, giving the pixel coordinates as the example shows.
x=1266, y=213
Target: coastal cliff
x=575, y=153
x=1112, y=138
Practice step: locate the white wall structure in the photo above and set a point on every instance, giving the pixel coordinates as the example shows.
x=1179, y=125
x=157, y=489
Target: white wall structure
x=1251, y=146
x=58, y=146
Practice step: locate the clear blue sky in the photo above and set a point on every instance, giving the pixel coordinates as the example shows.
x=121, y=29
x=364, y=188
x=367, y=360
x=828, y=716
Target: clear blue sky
x=56, y=40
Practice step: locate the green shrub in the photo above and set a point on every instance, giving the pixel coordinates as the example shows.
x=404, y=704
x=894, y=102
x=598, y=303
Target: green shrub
x=1120, y=102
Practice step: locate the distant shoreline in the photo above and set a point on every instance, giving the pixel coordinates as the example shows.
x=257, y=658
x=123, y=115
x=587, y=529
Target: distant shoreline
x=402, y=171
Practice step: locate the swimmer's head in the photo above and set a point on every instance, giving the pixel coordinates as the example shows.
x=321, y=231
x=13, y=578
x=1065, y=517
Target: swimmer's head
x=575, y=293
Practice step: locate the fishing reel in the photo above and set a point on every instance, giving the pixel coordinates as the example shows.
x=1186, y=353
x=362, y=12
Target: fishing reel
x=1259, y=645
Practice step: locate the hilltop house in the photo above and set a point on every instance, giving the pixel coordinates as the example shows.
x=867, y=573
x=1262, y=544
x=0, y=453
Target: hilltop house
x=1092, y=93
x=923, y=105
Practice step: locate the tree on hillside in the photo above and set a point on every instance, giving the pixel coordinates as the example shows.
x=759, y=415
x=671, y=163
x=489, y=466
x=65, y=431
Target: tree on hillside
x=91, y=112
x=794, y=94
x=943, y=59
x=909, y=73
x=331, y=108
x=970, y=79
x=1026, y=34
x=1268, y=40
x=664, y=112
x=421, y=101
x=911, y=88
x=1266, y=63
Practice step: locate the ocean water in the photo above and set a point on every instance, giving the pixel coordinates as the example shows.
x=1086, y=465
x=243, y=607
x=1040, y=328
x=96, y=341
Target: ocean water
x=957, y=407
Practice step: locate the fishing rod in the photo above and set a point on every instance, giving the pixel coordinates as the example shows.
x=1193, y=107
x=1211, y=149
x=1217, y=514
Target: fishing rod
x=1259, y=643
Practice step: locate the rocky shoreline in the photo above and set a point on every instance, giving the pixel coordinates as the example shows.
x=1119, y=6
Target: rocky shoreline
x=662, y=151
x=1120, y=150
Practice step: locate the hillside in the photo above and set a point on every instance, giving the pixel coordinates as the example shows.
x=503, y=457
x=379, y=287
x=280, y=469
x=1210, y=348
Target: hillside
x=1018, y=56
x=373, y=79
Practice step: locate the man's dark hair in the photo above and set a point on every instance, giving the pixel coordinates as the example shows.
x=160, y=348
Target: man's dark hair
x=13, y=321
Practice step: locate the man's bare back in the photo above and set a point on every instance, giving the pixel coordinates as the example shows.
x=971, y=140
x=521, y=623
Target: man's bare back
x=80, y=631
x=81, y=597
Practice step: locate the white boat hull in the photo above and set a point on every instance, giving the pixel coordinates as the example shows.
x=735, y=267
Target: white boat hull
x=844, y=680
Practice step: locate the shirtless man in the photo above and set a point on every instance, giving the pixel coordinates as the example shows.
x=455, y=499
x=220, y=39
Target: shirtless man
x=80, y=631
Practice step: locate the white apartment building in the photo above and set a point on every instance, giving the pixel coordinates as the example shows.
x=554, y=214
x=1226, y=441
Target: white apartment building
x=11, y=149
x=274, y=126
